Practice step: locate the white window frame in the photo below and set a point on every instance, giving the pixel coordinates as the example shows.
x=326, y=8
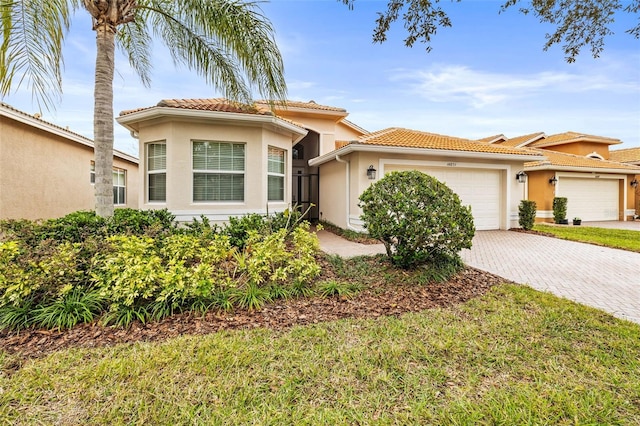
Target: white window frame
x=277, y=174
x=116, y=187
x=155, y=172
x=219, y=171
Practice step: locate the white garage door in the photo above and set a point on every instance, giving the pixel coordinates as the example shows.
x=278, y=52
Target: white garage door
x=477, y=188
x=590, y=199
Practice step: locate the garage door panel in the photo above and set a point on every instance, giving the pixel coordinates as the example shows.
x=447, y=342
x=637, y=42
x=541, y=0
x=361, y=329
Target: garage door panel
x=477, y=188
x=590, y=199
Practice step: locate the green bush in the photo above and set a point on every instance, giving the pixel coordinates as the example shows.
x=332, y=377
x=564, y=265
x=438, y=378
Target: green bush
x=527, y=214
x=140, y=222
x=559, y=209
x=417, y=218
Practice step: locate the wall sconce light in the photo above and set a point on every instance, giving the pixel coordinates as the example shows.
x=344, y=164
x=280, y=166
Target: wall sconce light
x=371, y=172
x=521, y=177
x=553, y=180
x=634, y=183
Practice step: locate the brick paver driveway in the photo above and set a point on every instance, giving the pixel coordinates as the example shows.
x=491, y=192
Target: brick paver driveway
x=602, y=277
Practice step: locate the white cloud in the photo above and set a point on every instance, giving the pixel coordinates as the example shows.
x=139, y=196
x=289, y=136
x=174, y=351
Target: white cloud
x=478, y=89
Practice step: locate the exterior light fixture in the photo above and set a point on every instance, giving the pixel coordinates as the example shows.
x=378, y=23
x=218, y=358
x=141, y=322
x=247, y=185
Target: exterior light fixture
x=553, y=180
x=634, y=183
x=521, y=177
x=371, y=172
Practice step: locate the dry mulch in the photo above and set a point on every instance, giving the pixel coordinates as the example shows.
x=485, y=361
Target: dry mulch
x=378, y=299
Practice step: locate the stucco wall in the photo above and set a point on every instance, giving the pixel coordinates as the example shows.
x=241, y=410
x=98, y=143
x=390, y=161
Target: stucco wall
x=46, y=176
x=179, y=135
x=333, y=193
x=332, y=175
x=583, y=148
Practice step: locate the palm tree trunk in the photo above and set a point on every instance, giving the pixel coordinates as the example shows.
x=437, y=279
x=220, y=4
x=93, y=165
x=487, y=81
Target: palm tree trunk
x=103, y=119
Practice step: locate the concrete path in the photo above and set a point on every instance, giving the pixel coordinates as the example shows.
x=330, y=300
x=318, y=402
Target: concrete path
x=608, y=279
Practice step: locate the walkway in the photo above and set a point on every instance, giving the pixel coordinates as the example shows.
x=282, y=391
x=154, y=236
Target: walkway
x=608, y=279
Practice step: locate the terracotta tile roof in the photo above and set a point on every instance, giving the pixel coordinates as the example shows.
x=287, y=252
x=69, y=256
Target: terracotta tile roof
x=214, y=104
x=400, y=137
x=627, y=155
x=569, y=137
x=493, y=139
x=524, y=139
x=340, y=144
x=303, y=105
x=561, y=159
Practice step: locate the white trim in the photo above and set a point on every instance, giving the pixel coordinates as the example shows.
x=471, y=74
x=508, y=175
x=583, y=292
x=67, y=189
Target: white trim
x=544, y=214
x=38, y=123
x=234, y=117
x=578, y=169
x=358, y=147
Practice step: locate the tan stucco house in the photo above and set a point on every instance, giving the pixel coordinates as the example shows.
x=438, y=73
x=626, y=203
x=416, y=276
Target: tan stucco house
x=213, y=157
x=598, y=187
x=46, y=171
x=630, y=156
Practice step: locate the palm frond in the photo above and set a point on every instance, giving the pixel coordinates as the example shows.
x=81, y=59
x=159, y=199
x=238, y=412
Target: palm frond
x=135, y=42
x=230, y=43
x=31, y=49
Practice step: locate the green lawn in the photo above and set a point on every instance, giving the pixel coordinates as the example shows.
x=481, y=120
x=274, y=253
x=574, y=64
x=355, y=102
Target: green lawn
x=514, y=356
x=616, y=238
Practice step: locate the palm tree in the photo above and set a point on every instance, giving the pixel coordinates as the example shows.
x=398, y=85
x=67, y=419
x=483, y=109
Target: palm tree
x=228, y=42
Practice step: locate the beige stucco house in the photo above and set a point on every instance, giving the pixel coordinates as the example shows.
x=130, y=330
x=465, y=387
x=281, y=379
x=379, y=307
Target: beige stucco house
x=598, y=187
x=212, y=157
x=46, y=171
x=630, y=156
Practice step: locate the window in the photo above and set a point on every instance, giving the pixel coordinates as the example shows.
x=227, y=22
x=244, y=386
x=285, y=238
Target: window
x=157, y=172
x=119, y=187
x=92, y=172
x=298, y=152
x=275, y=174
x=218, y=171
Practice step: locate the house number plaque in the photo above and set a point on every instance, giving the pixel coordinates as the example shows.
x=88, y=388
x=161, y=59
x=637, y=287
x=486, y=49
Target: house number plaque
x=451, y=164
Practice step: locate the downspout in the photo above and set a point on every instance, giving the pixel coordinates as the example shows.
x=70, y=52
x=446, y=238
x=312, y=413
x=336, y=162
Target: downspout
x=348, y=192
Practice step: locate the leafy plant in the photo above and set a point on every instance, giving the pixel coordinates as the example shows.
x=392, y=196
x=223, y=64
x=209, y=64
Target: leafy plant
x=123, y=316
x=17, y=317
x=252, y=297
x=75, y=307
x=527, y=214
x=238, y=229
x=417, y=218
x=559, y=209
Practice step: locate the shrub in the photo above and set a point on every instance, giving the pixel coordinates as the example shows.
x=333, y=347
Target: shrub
x=559, y=209
x=239, y=228
x=140, y=222
x=527, y=214
x=417, y=218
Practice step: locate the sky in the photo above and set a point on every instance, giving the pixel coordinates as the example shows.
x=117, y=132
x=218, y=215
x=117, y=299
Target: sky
x=486, y=75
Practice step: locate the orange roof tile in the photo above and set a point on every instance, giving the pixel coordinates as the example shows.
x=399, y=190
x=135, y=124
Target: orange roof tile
x=523, y=140
x=213, y=104
x=400, y=137
x=340, y=144
x=303, y=105
x=627, y=155
x=561, y=159
x=569, y=137
x=493, y=139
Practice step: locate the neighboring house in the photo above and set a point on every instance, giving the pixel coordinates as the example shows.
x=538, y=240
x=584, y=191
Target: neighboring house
x=578, y=167
x=46, y=171
x=629, y=156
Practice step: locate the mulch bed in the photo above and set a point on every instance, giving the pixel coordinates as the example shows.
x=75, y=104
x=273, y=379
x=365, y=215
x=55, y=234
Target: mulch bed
x=379, y=299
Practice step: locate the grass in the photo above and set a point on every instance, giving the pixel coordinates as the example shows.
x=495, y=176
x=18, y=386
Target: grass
x=615, y=238
x=513, y=356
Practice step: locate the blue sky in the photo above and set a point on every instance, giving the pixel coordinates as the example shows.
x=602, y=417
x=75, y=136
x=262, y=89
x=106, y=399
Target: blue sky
x=486, y=75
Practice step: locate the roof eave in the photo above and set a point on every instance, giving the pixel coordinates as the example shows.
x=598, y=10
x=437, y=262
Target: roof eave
x=159, y=112
x=355, y=147
x=55, y=130
x=581, y=169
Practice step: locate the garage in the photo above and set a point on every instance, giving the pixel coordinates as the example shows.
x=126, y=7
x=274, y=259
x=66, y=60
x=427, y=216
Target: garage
x=478, y=188
x=590, y=199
